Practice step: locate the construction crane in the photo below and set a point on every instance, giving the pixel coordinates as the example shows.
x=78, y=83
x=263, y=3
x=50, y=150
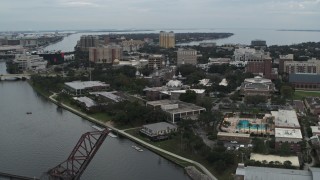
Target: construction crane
x=80, y=157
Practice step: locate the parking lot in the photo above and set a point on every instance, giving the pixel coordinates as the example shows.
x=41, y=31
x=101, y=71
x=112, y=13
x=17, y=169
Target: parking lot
x=236, y=145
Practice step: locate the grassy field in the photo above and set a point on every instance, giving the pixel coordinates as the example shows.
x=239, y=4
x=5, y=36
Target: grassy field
x=174, y=145
x=302, y=94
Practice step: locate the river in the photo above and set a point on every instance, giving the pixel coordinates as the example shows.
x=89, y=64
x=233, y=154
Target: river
x=241, y=36
x=31, y=144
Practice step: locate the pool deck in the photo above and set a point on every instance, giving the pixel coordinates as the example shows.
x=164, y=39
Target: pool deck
x=234, y=121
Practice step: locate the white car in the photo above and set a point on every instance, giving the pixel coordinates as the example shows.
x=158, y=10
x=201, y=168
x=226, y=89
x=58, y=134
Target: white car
x=250, y=145
x=234, y=142
x=242, y=146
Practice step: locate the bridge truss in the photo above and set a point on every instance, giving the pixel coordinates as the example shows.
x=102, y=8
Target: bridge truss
x=80, y=157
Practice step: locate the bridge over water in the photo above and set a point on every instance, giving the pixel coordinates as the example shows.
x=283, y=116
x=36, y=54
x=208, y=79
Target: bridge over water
x=14, y=76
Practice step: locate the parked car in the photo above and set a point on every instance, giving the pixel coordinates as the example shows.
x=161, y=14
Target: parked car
x=234, y=142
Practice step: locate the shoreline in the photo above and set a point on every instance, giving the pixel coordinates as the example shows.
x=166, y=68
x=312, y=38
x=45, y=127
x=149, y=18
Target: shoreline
x=161, y=152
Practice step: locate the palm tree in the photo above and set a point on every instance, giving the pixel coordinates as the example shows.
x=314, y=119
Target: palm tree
x=257, y=126
x=249, y=125
x=266, y=126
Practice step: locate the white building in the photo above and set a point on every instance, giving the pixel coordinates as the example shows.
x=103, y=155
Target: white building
x=81, y=87
x=244, y=55
x=286, y=119
x=30, y=62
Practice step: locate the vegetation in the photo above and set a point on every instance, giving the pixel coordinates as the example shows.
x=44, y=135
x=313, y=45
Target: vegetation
x=273, y=164
x=302, y=94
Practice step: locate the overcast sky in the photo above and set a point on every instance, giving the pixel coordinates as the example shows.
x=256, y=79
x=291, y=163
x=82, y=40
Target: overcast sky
x=158, y=14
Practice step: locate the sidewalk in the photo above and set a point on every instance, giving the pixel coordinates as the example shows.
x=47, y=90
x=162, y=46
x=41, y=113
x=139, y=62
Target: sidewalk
x=122, y=132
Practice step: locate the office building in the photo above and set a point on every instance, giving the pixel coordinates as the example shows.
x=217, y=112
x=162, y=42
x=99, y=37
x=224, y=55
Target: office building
x=177, y=110
x=186, y=56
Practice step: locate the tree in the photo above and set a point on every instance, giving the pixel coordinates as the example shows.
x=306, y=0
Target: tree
x=266, y=126
x=249, y=125
x=255, y=100
x=287, y=164
x=257, y=126
x=287, y=92
x=189, y=97
x=285, y=149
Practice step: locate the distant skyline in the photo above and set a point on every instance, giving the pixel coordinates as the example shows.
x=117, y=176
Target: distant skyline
x=34, y=15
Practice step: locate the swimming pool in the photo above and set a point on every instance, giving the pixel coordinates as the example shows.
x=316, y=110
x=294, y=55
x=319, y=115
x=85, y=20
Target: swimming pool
x=244, y=124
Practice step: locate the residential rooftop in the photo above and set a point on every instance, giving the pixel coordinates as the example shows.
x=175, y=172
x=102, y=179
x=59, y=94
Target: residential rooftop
x=160, y=126
x=87, y=101
x=288, y=133
x=286, y=118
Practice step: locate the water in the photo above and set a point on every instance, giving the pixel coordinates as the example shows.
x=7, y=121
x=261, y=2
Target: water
x=245, y=125
x=31, y=144
x=241, y=36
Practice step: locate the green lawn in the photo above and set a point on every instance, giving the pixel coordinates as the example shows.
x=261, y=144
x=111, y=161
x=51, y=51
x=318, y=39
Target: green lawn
x=302, y=94
x=101, y=116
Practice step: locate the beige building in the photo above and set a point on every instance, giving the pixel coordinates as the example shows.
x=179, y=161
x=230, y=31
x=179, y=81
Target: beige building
x=105, y=54
x=311, y=66
x=167, y=39
x=132, y=45
x=186, y=56
x=87, y=41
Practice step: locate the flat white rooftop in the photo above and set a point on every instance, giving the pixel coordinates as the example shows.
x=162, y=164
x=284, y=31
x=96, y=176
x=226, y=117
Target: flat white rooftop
x=109, y=95
x=197, y=91
x=315, y=129
x=286, y=118
x=85, y=84
x=288, y=133
x=87, y=101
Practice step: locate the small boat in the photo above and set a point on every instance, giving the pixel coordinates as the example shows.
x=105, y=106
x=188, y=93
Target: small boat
x=137, y=148
x=28, y=112
x=112, y=135
x=97, y=128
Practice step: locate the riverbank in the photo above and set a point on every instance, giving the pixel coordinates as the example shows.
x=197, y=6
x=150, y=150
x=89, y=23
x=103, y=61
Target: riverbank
x=139, y=141
x=179, y=160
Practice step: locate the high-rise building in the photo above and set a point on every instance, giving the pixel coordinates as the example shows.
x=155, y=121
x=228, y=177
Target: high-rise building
x=105, y=54
x=186, y=56
x=87, y=41
x=167, y=39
